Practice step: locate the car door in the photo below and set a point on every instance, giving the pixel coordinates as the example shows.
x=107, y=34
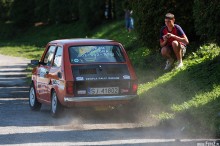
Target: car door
x=55, y=73
x=42, y=74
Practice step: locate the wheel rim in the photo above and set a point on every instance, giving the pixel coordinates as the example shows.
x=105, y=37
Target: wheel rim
x=32, y=97
x=54, y=103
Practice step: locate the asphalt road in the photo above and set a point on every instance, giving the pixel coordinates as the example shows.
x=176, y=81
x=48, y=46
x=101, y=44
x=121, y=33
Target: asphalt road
x=21, y=126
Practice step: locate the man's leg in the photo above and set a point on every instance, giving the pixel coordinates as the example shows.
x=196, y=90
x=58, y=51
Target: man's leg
x=178, y=52
x=166, y=53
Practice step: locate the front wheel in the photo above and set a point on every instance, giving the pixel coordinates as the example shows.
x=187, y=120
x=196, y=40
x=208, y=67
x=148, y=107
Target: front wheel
x=56, y=107
x=33, y=102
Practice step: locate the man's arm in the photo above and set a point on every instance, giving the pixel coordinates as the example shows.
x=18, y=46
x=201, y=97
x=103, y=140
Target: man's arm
x=163, y=41
x=183, y=39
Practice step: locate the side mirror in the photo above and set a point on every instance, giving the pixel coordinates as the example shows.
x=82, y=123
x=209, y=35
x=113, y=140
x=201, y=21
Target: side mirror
x=59, y=74
x=34, y=62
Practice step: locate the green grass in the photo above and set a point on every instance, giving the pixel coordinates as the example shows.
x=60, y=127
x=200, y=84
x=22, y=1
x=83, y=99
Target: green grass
x=187, y=98
x=30, y=52
x=193, y=91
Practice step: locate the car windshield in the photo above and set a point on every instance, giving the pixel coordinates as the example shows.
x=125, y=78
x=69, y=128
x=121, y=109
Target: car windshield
x=95, y=54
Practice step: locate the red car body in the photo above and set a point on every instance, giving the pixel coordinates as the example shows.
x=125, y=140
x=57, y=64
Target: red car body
x=83, y=72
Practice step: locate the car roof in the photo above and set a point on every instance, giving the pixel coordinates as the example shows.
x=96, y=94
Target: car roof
x=81, y=40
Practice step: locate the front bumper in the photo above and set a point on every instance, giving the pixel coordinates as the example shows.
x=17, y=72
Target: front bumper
x=99, y=98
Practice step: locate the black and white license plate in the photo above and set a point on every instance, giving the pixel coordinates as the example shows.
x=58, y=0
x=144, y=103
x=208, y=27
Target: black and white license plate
x=105, y=90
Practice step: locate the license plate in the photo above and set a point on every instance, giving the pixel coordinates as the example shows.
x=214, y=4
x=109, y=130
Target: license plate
x=106, y=90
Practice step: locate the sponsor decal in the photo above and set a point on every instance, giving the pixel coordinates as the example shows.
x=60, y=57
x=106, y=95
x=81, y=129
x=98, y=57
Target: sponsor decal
x=124, y=90
x=81, y=92
x=126, y=77
x=42, y=71
x=102, y=78
x=91, y=79
x=79, y=78
x=58, y=83
x=76, y=60
x=61, y=87
x=113, y=78
x=55, y=82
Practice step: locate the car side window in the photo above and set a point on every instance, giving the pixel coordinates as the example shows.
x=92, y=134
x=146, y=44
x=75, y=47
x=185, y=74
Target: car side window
x=49, y=55
x=58, y=57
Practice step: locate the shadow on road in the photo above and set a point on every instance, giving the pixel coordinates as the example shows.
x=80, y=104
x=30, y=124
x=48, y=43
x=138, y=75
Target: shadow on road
x=13, y=78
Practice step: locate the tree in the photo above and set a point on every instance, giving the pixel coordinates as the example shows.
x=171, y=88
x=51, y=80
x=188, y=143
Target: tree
x=42, y=10
x=4, y=9
x=74, y=9
x=91, y=13
x=149, y=17
x=119, y=9
x=60, y=11
x=206, y=15
x=22, y=12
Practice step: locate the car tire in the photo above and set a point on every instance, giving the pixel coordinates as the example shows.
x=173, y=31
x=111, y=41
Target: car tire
x=56, y=107
x=33, y=102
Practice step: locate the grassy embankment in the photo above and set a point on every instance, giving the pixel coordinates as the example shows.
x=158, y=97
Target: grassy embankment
x=187, y=98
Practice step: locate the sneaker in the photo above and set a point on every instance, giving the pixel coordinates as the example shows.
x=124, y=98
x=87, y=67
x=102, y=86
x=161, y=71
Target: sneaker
x=179, y=65
x=169, y=63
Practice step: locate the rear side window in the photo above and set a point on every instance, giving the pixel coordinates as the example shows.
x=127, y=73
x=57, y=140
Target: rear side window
x=95, y=54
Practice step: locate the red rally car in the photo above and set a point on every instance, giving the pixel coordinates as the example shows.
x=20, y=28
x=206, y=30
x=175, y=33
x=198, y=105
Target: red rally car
x=82, y=72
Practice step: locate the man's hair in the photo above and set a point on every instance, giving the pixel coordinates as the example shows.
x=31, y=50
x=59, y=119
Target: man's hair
x=169, y=16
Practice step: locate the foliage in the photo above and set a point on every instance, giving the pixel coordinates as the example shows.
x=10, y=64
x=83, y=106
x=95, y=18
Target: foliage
x=143, y=14
x=119, y=9
x=197, y=18
x=7, y=30
x=206, y=15
x=149, y=18
x=41, y=10
x=22, y=12
x=74, y=9
x=91, y=13
x=60, y=11
x=4, y=9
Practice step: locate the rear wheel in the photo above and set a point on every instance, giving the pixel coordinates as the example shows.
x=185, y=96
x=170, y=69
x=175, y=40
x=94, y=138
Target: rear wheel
x=33, y=102
x=56, y=107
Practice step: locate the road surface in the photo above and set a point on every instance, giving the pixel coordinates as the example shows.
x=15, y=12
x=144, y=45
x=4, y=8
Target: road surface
x=21, y=126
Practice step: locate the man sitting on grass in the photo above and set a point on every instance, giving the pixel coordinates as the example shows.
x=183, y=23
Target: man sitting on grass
x=173, y=42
